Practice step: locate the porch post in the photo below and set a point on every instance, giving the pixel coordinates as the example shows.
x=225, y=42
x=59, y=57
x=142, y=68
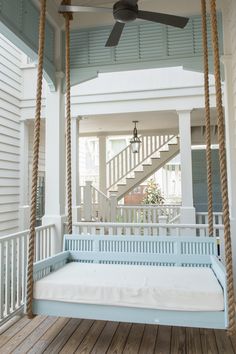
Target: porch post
x=102, y=164
x=55, y=163
x=24, y=176
x=75, y=168
x=187, y=211
x=231, y=150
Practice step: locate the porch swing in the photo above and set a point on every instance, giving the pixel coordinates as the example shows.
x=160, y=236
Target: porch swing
x=157, y=280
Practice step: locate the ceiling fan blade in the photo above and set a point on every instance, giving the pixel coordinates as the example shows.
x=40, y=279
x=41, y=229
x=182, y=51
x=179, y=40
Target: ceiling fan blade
x=170, y=20
x=131, y=2
x=74, y=8
x=115, y=35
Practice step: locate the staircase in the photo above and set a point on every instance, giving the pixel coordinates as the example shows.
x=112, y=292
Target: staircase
x=127, y=170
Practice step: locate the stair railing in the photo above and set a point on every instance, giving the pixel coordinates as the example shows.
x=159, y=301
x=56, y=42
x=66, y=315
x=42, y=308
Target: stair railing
x=125, y=162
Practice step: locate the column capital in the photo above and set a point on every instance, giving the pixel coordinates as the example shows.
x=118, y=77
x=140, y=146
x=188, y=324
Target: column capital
x=226, y=59
x=59, y=75
x=184, y=112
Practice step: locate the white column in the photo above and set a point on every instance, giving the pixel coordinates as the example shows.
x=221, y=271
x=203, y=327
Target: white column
x=187, y=214
x=102, y=164
x=88, y=203
x=55, y=162
x=75, y=168
x=231, y=150
x=24, y=176
x=113, y=206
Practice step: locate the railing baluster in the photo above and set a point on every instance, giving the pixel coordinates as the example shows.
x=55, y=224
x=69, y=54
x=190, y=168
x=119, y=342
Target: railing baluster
x=7, y=278
x=2, y=279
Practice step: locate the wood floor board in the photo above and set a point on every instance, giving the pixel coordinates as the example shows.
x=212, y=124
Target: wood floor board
x=68, y=336
x=23, y=334
x=193, y=341
x=77, y=337
x=178, y=343
x=134, y=339
x=91, y=338
x=149, y=340
x=59, y=341
x=208, y=341
x=29, y=342
x=48, y=337
x=119, y=339
x=223, y=342
x=163, y=341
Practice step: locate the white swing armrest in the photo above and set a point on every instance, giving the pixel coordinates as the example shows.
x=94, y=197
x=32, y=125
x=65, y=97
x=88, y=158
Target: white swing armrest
x=49, y=265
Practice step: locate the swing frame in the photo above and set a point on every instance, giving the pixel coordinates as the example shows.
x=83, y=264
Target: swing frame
x=172, y=251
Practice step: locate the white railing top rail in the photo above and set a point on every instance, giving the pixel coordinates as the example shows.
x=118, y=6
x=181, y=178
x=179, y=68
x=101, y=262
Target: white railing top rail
x=25, y=232
x=148, y=206
x=205, y=213
x=170, y=226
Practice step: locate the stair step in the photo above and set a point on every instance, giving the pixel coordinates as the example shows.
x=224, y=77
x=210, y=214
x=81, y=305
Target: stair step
x=146, y=164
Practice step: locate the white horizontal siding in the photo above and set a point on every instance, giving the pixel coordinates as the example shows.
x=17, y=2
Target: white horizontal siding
x=10, y=95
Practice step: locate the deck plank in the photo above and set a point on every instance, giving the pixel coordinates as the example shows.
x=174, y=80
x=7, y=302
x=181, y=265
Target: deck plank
x=134, y=339
x=13, y=330
x=23, y=334
x=178, y=343
x=193, y=341
x=77, y=337
x=233, y=342
x=119, y=339
x=149, y=340
x=163, y=340
x=105, y=338
x=89, y=341
x=49, y=336
x=208, y=341
x=223, y=342
x=29, y=342
x=59, y=341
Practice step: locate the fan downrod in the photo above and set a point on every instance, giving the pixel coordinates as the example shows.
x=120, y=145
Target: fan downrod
x=124, y=12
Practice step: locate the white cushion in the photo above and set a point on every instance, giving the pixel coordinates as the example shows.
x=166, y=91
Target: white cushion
x=166, y=288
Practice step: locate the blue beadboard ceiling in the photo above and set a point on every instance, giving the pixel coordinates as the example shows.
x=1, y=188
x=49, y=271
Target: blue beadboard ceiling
x=143, y=45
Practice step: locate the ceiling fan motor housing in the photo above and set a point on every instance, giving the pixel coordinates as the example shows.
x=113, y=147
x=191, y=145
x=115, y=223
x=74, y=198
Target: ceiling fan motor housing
x=124, y=12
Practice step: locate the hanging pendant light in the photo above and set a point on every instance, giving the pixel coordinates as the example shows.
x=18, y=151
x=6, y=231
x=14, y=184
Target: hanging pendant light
x=135, y=141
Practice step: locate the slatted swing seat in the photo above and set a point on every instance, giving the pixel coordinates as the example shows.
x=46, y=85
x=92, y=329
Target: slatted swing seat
x=140, y=278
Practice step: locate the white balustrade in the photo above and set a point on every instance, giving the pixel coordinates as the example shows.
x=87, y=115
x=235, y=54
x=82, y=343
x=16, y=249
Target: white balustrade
x=202, y=218
x=147, y=213
x=151, y=229
x=13, y=263
x=95, y=205
x=126, y=161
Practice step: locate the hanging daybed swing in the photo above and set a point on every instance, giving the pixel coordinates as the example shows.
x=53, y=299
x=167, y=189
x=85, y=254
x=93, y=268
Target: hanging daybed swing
x=165, y=280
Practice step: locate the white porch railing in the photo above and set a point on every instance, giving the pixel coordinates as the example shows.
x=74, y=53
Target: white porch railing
x=146, y=213
x=95, y=205
x=152, y=229
x=126, y=161
x=13, y=262
x=202, y=218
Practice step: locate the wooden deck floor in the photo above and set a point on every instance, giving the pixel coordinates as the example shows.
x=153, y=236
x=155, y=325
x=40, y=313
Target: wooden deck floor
x=63, y=335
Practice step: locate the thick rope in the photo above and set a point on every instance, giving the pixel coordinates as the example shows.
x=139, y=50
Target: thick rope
x=68, y=123
x=223, y=172
x=29, y=290
x=207, y=119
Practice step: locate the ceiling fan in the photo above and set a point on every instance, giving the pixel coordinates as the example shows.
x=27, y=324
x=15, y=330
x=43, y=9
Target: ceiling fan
x=125, y=11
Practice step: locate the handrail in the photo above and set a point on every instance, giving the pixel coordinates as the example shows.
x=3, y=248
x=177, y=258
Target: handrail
x=125, y=162
x=25, y=232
